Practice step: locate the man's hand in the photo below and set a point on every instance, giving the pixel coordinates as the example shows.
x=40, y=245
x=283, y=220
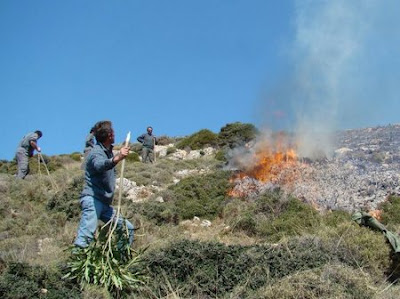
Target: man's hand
x=38, y=149
x=124, y=151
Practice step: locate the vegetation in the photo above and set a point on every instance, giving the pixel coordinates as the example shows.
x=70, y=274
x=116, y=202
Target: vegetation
x=236, y=134
x=113, y=265
x=21, y=280
x=271, y=245
x=199, y=140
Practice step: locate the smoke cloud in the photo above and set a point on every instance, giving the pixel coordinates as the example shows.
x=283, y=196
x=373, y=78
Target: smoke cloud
x=338, y=51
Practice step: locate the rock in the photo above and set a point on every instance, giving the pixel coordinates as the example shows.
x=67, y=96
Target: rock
x=159, y=199
x=161, y=150
x=205, y=223
x=195, y=154
x=126, y=184
x=178, y=155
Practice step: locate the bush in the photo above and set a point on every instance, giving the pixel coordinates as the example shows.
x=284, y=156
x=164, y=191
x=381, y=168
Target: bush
x=52, y=164
x=390, y=211
x=108, y=261
x=171, y=150
x=133, y=157
x=67, y=201
x=9, y=167
x=201, y=196
x=235, y=134
x=273, y=216
x=201, y=269
x=21, y=280
x=76, y=156
x=199, y=140
x=220, y=156
x=330, y=281
x=165, y=140
x=158, y=213
x=290, y=218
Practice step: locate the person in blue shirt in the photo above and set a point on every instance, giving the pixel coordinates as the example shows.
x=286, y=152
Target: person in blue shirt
x=98, y=190
x=25, y=149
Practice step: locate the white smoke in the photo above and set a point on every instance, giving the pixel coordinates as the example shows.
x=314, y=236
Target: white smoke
x=330, y=86
x=329, y=34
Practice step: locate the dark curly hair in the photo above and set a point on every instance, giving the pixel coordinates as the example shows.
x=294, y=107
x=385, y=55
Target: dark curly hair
x=102, y=130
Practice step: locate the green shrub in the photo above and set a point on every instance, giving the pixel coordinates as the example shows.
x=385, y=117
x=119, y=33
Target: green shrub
x=220, y=156
x=199, y=140
x=235, y=134
x=21, y=280
x=201, y=269
x=201, y=196
x=76, y=156
x=390, y=211
x=52, y=163
x=9, y=167
x=133, y=157
x=158, y=213
x=273, y=216
x=171, y=150
x=330, y=281
x=293, y=218
x=165, y=140
x=67, y=201
x=107, y=262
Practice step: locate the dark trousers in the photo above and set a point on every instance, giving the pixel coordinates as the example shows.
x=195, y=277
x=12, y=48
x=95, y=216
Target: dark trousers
x=147, y=154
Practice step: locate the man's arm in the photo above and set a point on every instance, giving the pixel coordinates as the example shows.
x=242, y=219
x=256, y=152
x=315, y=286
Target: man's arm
x=141, y=138
x=121, y=155
x=33, y=143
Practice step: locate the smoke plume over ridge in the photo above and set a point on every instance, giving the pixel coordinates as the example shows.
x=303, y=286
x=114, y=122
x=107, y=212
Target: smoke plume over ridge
x=339, y=77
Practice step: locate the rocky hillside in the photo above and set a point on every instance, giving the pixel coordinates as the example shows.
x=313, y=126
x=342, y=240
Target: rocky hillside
x=197, y=240
x=363, y=172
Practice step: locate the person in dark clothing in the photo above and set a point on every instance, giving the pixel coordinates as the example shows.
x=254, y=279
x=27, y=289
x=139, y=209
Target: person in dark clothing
x=25, y=149
x=98, y=191
x=148, y=140
x=89, y=144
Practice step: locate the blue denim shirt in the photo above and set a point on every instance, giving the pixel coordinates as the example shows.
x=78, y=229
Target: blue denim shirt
x=100, y=174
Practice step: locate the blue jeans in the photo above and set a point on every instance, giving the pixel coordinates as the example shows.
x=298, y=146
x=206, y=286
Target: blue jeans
x=92, y=211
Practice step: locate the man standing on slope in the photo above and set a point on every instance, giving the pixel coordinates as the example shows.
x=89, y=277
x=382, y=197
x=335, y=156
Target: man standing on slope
x=98, y=191
x=25, y=149
x=148, y=141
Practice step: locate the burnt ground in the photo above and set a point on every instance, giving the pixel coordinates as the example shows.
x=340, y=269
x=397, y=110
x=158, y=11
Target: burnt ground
x=363, y=172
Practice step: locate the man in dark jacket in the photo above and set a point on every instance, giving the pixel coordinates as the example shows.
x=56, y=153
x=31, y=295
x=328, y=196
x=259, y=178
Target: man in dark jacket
x=149, y=141
x=98, y=191
x=25, y=149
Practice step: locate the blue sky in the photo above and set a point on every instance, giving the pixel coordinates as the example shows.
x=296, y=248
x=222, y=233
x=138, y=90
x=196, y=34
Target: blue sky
x=182, y=66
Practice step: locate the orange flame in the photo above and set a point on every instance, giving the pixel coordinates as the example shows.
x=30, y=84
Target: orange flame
x=278, y=167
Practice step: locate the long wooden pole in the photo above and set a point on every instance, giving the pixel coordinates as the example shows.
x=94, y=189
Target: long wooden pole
x=121, y=185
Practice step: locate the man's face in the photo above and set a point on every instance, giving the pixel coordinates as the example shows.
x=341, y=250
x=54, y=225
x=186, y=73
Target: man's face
x=149, y=130
x=112, y=136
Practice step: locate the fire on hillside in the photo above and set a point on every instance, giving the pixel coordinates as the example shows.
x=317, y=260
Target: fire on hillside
x=266, y=166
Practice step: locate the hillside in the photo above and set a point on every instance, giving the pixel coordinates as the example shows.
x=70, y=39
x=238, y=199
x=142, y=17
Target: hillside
x=207, y=228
